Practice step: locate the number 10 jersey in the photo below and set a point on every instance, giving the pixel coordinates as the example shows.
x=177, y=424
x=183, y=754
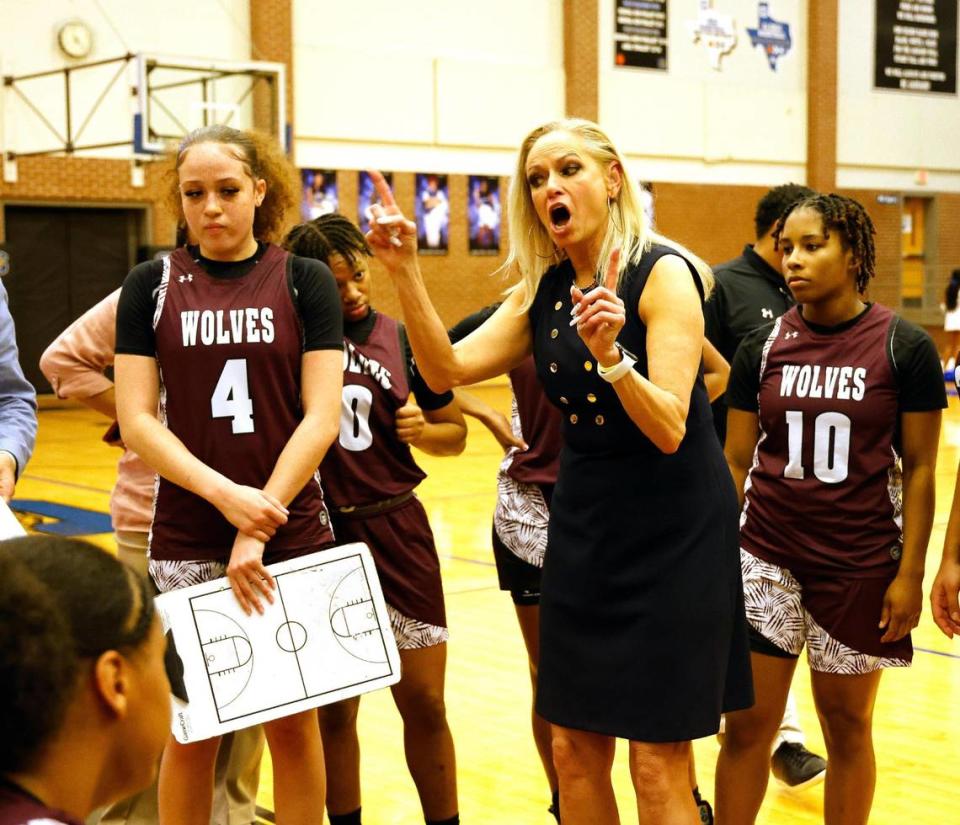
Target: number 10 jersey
x=823, y=496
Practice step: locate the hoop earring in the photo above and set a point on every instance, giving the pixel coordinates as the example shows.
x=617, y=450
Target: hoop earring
x=610, y=202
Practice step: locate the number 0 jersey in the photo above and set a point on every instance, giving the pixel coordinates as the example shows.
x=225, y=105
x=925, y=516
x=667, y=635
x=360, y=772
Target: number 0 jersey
x=823, y=496
x=230, y=352
x=368, y=463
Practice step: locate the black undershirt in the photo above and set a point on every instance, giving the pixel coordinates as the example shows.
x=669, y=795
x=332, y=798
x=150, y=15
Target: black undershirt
x=918, y=374
x=313, y=289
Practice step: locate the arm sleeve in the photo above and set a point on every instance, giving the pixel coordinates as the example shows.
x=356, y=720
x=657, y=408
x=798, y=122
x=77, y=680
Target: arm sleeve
x=744, y=385
x=318, y=302
x=919, y=374
x=471, y=323
x=18, y=399
x=135, y=309
x=75, y=362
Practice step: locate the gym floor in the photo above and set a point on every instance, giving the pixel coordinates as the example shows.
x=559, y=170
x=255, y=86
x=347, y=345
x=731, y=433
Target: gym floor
x=917, y=728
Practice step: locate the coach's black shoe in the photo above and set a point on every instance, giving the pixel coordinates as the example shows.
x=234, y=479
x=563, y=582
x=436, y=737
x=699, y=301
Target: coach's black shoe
x=796, y=767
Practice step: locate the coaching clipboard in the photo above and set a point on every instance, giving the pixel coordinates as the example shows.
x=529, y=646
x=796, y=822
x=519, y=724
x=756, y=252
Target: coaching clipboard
x=326, y=637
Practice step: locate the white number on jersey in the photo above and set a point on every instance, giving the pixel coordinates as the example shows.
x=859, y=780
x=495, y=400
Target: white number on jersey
x=355, y=432
x=831, y=446
x=231, y=397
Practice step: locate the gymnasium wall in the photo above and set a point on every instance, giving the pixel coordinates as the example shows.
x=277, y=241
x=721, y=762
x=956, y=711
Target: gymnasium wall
x=742, y=124
x=422, y=85
x=884, y=137
x=452, y=87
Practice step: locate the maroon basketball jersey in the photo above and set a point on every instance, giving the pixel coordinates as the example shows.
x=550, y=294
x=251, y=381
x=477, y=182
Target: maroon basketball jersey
x=824, y=495
x=539, y=425
x=230, y=352
x=368, y=463
x=17, y=807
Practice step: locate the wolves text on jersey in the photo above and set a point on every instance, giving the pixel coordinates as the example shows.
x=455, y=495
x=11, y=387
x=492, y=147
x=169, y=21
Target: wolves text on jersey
x=814, y=381
x=252, y=325
x=356, y=362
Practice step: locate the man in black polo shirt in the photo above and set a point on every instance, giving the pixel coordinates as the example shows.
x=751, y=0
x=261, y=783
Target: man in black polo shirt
x=749, y=293
x=750, y=290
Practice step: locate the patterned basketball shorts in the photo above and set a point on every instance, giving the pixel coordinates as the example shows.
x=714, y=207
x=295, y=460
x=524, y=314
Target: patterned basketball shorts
x=775, y=610
x=168, y=575
x=521, y=519
x=412, y=634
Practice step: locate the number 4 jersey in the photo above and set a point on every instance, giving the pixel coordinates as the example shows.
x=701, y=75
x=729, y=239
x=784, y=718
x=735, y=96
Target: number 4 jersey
x=824, y=495
x=229, y=351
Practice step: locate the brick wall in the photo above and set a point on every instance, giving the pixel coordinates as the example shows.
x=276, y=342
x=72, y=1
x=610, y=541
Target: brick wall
x=580, y=54
x=271, y=38
x=459, y=282
x=713, y=221
x=93, y=181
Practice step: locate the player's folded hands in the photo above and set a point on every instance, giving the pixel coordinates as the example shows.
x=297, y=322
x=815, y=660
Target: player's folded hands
x=248, y=577
x=252, y=511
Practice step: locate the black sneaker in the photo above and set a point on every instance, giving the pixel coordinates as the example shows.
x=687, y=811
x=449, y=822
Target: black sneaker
x=796, y=767
x=706, y=812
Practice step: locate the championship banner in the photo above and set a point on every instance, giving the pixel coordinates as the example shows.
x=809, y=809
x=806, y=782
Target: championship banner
x=640, y=34
x=916, y=46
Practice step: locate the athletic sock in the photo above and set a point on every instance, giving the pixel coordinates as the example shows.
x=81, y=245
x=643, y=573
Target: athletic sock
x=555, y=805
x=352, y=818
x=453, y=820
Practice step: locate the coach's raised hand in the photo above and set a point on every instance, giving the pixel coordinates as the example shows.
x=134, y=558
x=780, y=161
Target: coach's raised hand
x=600, y=315
x=392, y=237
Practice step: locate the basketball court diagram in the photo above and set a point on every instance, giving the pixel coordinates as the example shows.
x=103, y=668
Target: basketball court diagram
x=326, y=637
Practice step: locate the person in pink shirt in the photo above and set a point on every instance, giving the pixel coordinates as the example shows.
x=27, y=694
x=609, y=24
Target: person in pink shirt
x=75, y=365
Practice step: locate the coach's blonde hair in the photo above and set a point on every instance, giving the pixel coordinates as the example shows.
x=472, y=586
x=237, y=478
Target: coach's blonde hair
x=532, y=251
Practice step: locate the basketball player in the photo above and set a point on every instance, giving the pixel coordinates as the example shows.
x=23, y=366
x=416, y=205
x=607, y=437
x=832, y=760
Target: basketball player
x=84, y=698
x=370, y=475
x=834, y=418
x=75, y=364
x=750, y=292
x=240, y=344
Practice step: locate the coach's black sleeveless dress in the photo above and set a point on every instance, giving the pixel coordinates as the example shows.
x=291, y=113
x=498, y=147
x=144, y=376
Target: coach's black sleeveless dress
x=643, y=634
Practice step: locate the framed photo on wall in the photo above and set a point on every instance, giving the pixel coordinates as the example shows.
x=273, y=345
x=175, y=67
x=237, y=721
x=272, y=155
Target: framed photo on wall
x=483, y=214
x=319, y=193
x=432, y=208
x=367, y=197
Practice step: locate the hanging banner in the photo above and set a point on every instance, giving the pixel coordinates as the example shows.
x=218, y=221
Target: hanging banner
x=771, y=35
x=916, y=46
x=640, y=34
x=716, y=30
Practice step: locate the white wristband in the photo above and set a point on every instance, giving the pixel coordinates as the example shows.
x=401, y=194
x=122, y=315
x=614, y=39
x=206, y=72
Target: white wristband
x=618, y=370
